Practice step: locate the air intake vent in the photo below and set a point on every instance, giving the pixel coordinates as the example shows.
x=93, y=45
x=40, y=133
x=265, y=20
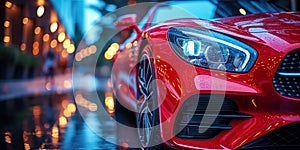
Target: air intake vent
x=286, y=137
x=287, y=78
x=188, y=121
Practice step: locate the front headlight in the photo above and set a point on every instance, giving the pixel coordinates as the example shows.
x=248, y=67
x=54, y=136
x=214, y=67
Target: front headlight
x=211, y=50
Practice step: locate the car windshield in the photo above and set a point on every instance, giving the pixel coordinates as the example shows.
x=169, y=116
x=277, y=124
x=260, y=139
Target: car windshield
x=208, y=9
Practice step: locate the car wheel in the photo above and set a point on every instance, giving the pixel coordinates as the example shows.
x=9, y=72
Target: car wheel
x=147, y=116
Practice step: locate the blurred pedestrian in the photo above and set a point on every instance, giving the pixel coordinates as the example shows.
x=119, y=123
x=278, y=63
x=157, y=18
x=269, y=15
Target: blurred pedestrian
x=49, y=67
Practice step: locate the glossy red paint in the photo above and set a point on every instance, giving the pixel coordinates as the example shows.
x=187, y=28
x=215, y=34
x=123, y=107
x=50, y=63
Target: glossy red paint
x=273, y=35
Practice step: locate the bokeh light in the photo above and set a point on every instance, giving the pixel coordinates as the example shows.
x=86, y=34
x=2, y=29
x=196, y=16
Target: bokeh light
x=6, y=24
x=40, y=11
x=8, y=4
x=63, y=121
x=53, y=27
x=78, y=57
x=35, y=51
x=35, y=44
x=115, y=45
x=64, y=103
x=71, y=49
x=53, y=43
x=66, y=43
x=46, y=37
x=128, y=45
x=64, y=54
x=110, y=104
x=55, y=132
x=71, y=107
x=243, y=11
x=37, y=30
x=6, y=39
x=23, y=47
x=25, y=20
x=67, y=113
x=67, y=83
x=7, y=137
x=61, y=36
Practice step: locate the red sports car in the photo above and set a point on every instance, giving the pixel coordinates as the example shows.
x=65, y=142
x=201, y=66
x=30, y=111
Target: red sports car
x=210, y=82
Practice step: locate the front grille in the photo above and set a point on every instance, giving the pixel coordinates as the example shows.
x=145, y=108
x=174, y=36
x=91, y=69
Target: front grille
x=287, y=78
x=193, y=110
x=285, y=137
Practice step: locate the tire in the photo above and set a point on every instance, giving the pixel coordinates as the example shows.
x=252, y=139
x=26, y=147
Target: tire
x=147, y=117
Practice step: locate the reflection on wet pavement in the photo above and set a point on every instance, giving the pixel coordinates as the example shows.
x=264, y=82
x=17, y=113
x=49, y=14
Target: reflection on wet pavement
x=52, y=122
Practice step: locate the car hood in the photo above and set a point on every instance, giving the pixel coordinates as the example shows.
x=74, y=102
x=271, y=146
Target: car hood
x=284, y=26
x=269, y=22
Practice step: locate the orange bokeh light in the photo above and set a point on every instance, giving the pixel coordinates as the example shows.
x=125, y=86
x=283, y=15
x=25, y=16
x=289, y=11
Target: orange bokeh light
x=110, y=104
x=37, y=30
x=53, y=43
x=46, y=37
x=35, y=51
x=8, y=4
x=78, y=57
x=25, y=20
x=6, y=24
x=64, y=54
x=6, y=39
x=64, y=103
x=55, y=132
x=35, y=44
x=63, y=121
x=23, y=47
x=67, y=113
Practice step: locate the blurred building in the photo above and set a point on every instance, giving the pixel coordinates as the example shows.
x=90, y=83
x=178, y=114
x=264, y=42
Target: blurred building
x=30, y=28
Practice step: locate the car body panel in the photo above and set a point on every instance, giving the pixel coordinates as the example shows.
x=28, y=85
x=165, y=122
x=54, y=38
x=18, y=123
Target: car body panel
x=269, y=109
x=253, y=91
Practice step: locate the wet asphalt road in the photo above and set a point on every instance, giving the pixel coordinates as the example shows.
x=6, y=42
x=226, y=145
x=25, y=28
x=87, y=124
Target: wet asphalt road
x=54, y=122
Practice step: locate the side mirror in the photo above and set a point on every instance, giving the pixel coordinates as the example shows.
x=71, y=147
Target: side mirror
x=127, y=21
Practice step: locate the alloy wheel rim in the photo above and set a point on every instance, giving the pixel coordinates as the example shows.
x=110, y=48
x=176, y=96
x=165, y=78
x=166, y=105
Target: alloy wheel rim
x=145, y=114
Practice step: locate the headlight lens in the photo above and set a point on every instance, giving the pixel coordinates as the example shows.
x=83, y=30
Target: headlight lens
x=211, y=50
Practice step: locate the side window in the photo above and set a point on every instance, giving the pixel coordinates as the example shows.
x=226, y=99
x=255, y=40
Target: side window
x=199, y=9
x=168, y=13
